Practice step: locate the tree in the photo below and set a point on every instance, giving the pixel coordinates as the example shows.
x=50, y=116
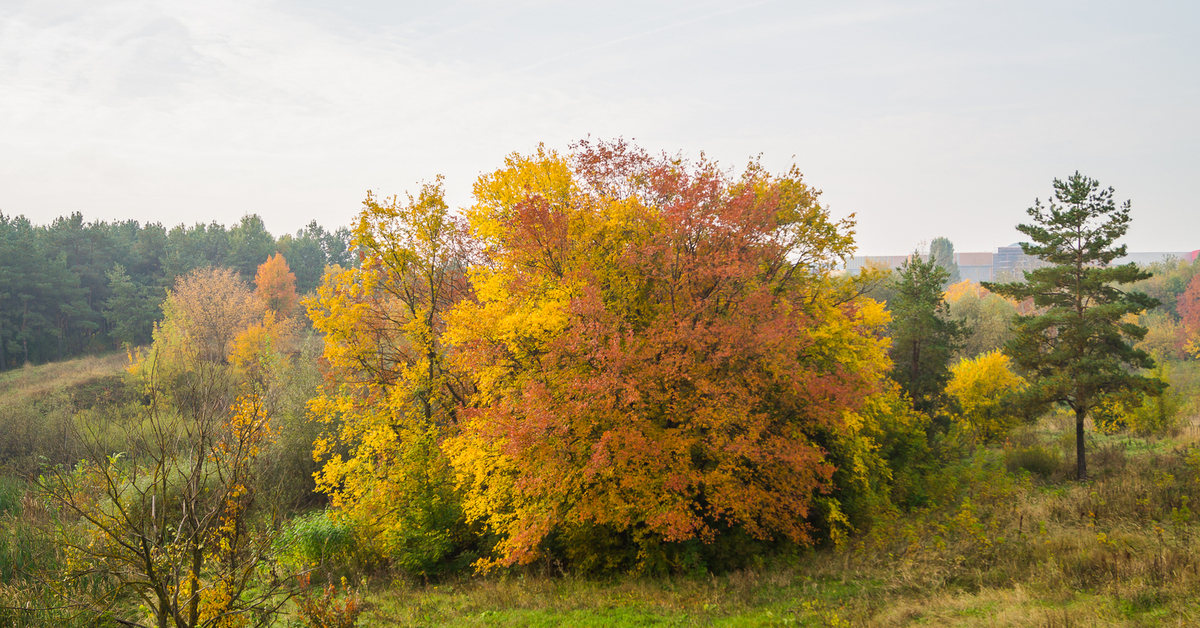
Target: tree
x=941, y=251
x=1189, y=306
x=399, y=393
x=924, y=337
x=169, y=520
x=662, y=352
x=1077, y=349
x=988, y=317
x=249, y=245
x=275, y=286
x=312, y=250
x=983, y=388
x=206, y=311
x=131, y=310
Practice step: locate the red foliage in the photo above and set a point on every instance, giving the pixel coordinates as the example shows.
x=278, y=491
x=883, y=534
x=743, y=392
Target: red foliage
x=1188, y=306
x=695, y=374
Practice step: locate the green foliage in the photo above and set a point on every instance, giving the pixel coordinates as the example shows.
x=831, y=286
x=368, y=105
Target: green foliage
x=1077, y=350
x=37, y=429
x=250, y=244
x=75, y=287
x=312, y=250
x=320, y=541
x=1141, y=413
x=132, y=309
x=924, y=337
x=1168, y=281
x=1040, y=460
x=941, y=252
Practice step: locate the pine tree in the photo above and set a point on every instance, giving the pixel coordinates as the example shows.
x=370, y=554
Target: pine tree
x=1077, y=349
x=924, y=337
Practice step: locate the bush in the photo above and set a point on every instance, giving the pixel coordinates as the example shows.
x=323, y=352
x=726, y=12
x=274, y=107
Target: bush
x=317, y=541
x=1036, y=459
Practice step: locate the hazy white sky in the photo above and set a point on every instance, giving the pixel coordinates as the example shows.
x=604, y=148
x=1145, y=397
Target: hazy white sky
x=924, y=119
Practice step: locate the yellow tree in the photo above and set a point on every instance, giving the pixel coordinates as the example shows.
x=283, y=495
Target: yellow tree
x=983, y=387
x=392, y=396
x=205, y=312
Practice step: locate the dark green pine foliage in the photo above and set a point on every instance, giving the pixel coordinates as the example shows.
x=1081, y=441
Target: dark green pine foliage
x=132, y=309
x=924, y=337
x=1077, y=350
x=311, y=250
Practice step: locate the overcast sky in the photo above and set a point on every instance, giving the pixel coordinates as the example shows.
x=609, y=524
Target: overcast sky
x=924, y=119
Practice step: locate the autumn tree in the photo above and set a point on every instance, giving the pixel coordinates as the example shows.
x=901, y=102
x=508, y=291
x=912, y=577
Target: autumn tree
x=394, y=395
x=1077, y=350
x=661, y=351
x=275, y=286
x=986, y=316
x=205, y=311
x=924, y=336
x=984, y=388
x=1189, y=306
x=168, y=522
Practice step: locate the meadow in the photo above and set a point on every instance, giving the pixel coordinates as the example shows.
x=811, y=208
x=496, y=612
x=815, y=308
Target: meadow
x=1011, y=540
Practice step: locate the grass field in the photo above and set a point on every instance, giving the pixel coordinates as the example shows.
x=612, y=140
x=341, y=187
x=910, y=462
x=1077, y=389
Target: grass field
x=1014, y=541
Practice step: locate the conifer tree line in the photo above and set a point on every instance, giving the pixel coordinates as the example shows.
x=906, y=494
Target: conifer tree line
x=75, y=287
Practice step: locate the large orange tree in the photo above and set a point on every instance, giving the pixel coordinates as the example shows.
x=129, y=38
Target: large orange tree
x=661, y=349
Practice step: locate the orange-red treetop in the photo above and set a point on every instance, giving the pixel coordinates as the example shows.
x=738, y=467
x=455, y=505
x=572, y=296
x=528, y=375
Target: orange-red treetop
x=275, y=286
x=660, y=346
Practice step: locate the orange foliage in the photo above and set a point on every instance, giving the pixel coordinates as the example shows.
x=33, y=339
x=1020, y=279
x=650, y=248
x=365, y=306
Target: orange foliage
x=1188, y=306
x=275, y=286
x=659, y=348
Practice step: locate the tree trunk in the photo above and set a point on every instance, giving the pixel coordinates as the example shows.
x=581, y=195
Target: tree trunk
x=1080, y=455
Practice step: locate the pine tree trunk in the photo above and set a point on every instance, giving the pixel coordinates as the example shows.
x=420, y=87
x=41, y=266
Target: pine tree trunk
x=1080, y=455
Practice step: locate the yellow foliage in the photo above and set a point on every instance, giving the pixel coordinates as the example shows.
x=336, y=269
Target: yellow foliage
x=963, y=288
x=981, y=387
x=397, y=396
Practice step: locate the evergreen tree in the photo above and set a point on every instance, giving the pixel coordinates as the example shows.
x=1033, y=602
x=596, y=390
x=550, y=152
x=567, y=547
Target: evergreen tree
x=1078, y=349
x=924, y=337
x=132, y=309
x=941, y=251
x=250, y=244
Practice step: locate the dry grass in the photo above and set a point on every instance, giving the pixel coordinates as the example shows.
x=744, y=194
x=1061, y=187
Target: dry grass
x=37, y=381
x=999, y=549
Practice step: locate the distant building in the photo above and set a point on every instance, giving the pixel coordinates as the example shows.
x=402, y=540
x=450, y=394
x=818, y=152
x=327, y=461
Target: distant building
x=1007, y=261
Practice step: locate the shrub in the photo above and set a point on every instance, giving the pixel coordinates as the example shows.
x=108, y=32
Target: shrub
x=1037, y=459
x=316, y=541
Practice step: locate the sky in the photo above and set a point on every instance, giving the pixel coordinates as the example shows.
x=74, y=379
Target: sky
x=923, y=119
